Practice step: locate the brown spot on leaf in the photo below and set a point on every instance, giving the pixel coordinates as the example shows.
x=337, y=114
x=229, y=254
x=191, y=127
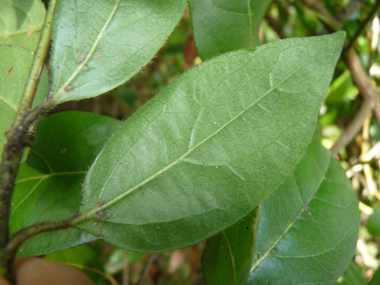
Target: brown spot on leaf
x=10, y=70
x=69, y=88
x=80, y=57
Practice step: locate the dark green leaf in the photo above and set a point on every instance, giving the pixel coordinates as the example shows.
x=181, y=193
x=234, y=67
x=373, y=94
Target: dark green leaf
x=220, y=26
x=49, y=184
x=99, y=45
x=210, y=148
x=375, y=278
x=228, y=255
x=373, y=223
x=353, y=275
x=308, y=228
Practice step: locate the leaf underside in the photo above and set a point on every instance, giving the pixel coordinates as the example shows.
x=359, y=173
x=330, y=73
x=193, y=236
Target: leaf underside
x=209, y=148
x=15, y=64
x=98, y=45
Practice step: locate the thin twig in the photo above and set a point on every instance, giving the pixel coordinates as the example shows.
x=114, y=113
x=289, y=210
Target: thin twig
x=366, y=167
x=345, y=14
x=125, y=267
x=363, y=25
x=152, y=258
x=276, y=26
x=370, y=102
x=330, y=23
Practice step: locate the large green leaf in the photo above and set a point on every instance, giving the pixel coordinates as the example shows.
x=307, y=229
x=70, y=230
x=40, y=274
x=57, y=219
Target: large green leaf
x=49, y=183
x=21, y=22
x=209, y=148
x=308, y=228
x=98, y=45
x=15, y=64
x=228, y=255
x=220, y=26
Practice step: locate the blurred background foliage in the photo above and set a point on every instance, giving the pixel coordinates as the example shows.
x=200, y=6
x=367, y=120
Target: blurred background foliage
x=360, y=157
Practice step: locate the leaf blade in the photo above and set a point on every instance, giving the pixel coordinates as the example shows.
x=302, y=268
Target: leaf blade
x=239, y=21
x=16, y=62
x=198, y=150
x=49, y=183
x=228, y=255
x=306, y=227
x=111, y=42
x=22, y=22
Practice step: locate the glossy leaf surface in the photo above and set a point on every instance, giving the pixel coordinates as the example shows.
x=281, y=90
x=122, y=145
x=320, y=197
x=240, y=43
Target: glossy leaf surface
x=99, y=45
x=49, y=183
x=15, y=64
x=221, y=26
x=228, y=255
x=21, y=22
x=209, y=148
x=308, y=228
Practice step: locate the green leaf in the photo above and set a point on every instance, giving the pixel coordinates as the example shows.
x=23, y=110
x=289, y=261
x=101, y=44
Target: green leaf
x=373, y=222
x=83, y=257
x=21, y=22
x=116, y=260
x=209, y=148
x=228, y=255
x=99, y=45
x=15, y=64
x=375, y=278
x=49, y=183
x=341, y=89
x=220, y=26
x=308, y=228
x=353, y=275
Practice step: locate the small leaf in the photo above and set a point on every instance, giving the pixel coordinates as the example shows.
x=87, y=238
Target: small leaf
x=15, y=64
x=308, y=228
x=220, y=26
x=209, y=148
x=353, y=275
x=228, y=255
x=373, y=222
x=341, y=89
x=98, y=45
x=376, y=277
x=21, y=22
x=49, y=183
x=116, y=260
x=82, y=255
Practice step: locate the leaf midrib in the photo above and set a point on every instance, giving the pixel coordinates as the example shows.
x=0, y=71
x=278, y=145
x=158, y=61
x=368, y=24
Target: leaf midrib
x=257, y=263
x=73, y=76
x=93, y=212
